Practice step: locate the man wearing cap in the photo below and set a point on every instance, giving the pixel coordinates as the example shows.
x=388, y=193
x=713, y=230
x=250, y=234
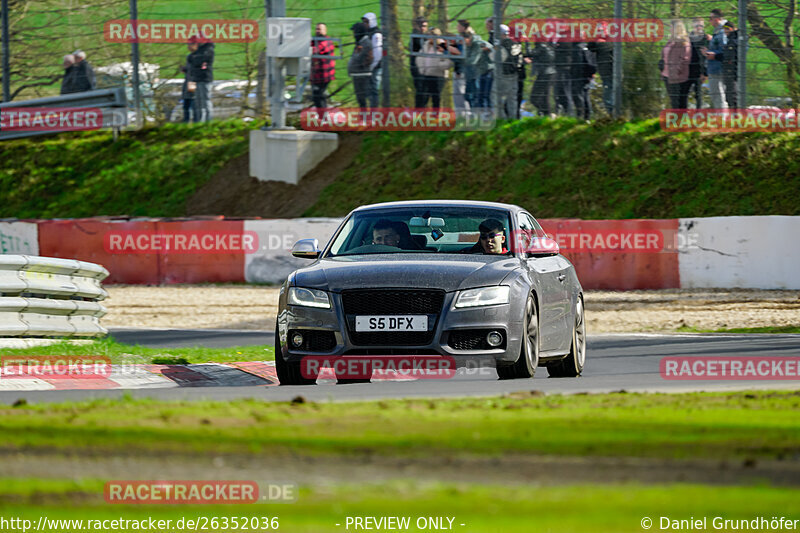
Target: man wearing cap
x=84, y=73
x=200, y=63
x=376, y=39
x=510, y=54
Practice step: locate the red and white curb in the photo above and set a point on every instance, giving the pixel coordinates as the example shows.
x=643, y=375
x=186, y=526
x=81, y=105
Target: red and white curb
x=252, y=373
x=244, y=374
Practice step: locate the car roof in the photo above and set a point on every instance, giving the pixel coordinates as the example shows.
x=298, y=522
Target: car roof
x=438, y=203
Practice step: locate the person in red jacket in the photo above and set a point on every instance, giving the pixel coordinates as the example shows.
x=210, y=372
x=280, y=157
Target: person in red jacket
x=322, y=70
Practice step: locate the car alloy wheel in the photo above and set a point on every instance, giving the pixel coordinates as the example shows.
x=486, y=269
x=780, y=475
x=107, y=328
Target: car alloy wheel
x=525, y=366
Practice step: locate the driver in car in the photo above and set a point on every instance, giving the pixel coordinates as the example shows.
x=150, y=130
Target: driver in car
x=391, y=233
x=492, y=239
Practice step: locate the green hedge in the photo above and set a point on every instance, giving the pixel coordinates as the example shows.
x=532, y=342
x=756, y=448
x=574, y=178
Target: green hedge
x=566, y=168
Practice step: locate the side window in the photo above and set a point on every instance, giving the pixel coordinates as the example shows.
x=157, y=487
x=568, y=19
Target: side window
x=526, y=232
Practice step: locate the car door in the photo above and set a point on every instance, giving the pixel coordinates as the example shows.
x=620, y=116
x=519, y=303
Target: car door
x=545, y=270
x=563, y=320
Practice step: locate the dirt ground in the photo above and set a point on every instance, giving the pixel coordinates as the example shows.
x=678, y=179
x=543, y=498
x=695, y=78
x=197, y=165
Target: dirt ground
x=254, y=307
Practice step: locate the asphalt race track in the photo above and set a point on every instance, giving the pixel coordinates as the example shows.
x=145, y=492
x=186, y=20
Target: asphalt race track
x=615, y=362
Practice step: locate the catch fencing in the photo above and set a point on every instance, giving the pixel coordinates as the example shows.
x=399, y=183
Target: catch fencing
x=50, y=297
x=628, y=81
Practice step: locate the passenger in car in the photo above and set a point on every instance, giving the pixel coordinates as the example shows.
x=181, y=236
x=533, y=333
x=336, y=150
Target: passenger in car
x=492, y=239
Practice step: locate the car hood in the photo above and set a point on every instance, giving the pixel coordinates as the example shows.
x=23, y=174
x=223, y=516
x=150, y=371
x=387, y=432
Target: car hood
x=447, y=272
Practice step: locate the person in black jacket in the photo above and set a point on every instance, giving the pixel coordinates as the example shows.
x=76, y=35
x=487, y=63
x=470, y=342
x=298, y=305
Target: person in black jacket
x=415, y=45
x=68, y=81
x=201, y=71
x=604, y=55
x=697, y=67
x=583, y=68
x=730, y=62
x=563, y=85
x=84, y=79
x=543, y=58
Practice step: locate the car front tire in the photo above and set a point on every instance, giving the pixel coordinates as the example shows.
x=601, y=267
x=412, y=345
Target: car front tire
x=525, y=366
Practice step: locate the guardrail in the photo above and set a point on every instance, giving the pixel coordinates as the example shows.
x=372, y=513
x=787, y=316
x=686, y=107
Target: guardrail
x=111, y=102
x=50, y=297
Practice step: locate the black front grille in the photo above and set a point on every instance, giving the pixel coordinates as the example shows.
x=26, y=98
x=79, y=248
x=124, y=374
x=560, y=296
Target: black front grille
x=473, y=339
x=392, y=302
x=314, y=340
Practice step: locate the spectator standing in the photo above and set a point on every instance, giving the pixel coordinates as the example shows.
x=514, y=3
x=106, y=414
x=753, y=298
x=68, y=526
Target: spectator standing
x=543, y=56
x=604, y=55
x=84, y=73
x=323, y=71
x=730, y=62
x=68, y=81
x=376, y=40
x=415, y=45
x=511, y=56
x=716, y=82
x=563, y=81
x=677, y=57
x=477, y=63
x=188, y=91
x=487, y=80
x=583, y=69
x=359, y=68
x=459, y=68
x=201, y=72
x=697, y=68
x=434, y=70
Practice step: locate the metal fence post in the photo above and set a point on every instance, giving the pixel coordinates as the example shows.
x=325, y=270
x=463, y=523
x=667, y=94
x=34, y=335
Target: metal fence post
x=6, y=68
x=277, y=110
x=741, y=59
x=386, y=23
x=617, y=65
x=497, y=18
x=137, y=98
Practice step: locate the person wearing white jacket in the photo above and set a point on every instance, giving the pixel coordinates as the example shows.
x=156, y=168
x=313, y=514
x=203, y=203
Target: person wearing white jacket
x=433, y=71
x=371, y=20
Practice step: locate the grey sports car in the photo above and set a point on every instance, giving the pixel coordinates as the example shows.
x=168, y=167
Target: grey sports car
x=458, y=279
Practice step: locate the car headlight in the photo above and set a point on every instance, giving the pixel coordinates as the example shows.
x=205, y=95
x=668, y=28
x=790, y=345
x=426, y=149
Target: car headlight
x=308, y=297
x=483, y=296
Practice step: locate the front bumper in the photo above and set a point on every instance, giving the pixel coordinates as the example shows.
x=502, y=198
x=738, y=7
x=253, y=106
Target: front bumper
x=506, y=318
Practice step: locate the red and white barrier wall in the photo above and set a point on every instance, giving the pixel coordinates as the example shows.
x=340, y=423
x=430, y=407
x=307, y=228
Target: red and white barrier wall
x=725, y=252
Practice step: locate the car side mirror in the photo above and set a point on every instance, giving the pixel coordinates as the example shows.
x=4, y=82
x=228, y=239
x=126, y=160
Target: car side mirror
x=542, y=247
x=306, y=249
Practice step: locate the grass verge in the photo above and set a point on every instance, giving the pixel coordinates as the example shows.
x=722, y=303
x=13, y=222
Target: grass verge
x=124, y=353
x=566, y=509
x=715, y=426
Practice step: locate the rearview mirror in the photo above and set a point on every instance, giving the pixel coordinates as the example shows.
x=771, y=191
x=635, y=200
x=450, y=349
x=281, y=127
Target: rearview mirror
x=306, y=249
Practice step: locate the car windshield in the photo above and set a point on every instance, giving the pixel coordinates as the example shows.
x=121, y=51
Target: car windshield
x=452, y=229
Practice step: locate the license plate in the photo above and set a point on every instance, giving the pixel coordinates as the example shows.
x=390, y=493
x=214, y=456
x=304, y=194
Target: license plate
x=392, y=323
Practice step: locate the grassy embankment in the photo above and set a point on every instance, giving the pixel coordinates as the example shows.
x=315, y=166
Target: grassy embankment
x=717, y=428
x=555, y=168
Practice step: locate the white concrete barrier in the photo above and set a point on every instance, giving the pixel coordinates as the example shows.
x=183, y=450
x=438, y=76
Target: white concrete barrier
x=758, y=252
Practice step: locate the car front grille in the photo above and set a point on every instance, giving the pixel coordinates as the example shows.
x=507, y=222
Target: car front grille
x=392, y=302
